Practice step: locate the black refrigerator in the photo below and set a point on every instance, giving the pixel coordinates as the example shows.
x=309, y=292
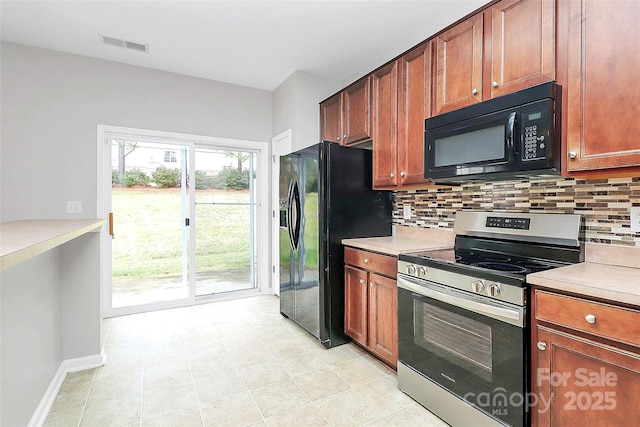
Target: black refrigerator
x=325, y=196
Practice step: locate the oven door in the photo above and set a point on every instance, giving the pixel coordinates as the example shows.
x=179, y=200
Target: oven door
x=468, y=344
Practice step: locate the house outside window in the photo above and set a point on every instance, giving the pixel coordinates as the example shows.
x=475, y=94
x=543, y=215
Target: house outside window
x=170, y=156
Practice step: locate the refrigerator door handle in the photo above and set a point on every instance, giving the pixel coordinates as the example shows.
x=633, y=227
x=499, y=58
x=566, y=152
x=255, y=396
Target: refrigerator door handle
x=297, y=217
x=289, y=214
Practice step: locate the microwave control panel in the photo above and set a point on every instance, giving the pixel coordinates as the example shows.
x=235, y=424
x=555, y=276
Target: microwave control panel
x=535, y=131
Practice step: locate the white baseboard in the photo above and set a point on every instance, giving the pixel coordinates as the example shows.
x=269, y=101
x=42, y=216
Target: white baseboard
x=68, y=365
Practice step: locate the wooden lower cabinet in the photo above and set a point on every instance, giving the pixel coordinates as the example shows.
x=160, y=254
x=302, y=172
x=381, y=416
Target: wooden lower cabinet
x=383, y=317
x=355, y=317
x=578, y=378
x=371, y=303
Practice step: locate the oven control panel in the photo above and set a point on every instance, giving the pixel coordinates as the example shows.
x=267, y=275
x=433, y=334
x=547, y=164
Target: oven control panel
x=493, y=289
x=483, y=287
x=514, y=223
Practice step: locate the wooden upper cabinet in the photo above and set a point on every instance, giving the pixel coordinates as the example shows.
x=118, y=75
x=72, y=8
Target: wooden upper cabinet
x=603, y=108
x=356, y=122
x=522, y=44
x=346, y=116
x=384, y=83
x=506, y=48
x=331, y=119
x=401, y=101
x=458, y=65
x=414, y=106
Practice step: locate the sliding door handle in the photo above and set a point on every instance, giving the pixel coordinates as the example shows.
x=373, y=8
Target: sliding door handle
x=113, y=236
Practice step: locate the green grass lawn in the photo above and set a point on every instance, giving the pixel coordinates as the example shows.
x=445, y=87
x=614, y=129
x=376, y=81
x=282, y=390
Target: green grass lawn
x=148, y=232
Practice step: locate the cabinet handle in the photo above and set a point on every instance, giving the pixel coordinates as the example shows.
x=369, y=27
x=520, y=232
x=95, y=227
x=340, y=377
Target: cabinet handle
x=494, y=84
x=391, y=175
x=344, y=136
x=542, y=345
x=402, y=174
x=371, y=285
x=337, y=138
x=361, y=281
x=474, y=91
x=366, y=260
x=573, y=154
x=590, y=318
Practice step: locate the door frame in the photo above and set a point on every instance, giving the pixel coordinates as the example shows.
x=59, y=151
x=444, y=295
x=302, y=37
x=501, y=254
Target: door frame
x=107, y=132
x=280, y=146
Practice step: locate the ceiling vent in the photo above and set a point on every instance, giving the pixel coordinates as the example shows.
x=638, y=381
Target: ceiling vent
x=124, y=43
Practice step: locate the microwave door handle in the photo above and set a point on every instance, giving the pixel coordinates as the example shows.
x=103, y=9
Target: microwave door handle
x=511, y=125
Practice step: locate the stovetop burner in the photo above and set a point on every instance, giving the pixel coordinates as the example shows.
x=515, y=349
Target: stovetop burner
x=482, y=259
x=501, y=266
x=494, y=252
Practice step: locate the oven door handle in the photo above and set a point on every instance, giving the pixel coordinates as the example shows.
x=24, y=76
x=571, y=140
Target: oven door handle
x=513, y=317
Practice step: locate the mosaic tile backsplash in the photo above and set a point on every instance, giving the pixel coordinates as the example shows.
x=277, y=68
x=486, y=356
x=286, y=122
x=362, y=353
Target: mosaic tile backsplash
x=604, y=203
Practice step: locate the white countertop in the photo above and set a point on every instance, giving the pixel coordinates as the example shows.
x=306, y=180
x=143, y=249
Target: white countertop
x=609, y=282
x=25, y=239
x=406, y=239
x=393, y=245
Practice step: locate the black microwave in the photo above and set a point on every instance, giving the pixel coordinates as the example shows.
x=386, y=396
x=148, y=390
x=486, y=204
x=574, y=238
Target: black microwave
x=509, y=137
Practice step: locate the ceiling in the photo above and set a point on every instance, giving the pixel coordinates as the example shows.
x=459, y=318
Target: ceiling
x=250, y=43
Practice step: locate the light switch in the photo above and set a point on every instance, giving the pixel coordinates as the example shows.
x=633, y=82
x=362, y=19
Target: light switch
x=635, y=219
x=406, y=211
x=74, y=207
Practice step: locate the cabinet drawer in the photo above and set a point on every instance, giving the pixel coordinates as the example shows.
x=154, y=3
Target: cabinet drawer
x=603, y=320
x=382, y=264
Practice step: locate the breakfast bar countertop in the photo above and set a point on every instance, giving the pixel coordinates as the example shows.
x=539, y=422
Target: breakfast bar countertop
x=25, y=239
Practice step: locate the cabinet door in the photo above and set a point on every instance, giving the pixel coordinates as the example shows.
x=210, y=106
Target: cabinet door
x=383, y=317
x=602, y=87
x=331, y=119
x=458, y=56
x=356, y=124
x=414, y=106
x=586, y=383
x=384, y=84
x=355, y=311
x=520, y=58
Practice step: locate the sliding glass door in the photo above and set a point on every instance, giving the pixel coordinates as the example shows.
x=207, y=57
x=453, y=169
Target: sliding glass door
x=150, y=199
x=186, y=222
x=225, y=220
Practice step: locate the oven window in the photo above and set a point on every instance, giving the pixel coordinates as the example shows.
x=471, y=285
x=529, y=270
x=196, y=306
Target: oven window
x=476, y=146
x=463, y=341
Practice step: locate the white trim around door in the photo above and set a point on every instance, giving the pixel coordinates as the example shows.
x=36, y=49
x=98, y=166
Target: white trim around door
x=280, y=145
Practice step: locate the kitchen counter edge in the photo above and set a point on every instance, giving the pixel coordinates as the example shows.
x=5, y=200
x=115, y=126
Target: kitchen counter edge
x=394, y=246
x=616, y=284
x=25, y=239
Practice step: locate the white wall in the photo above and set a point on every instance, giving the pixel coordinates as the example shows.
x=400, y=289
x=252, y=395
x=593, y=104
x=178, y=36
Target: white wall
x=52, y=103
x=296, y=107
x=32, y=337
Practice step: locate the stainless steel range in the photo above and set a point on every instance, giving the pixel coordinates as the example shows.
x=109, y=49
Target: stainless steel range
x=462, y=318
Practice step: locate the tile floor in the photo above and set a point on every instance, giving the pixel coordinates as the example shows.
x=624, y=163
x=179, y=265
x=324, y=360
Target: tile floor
x=231, y=363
